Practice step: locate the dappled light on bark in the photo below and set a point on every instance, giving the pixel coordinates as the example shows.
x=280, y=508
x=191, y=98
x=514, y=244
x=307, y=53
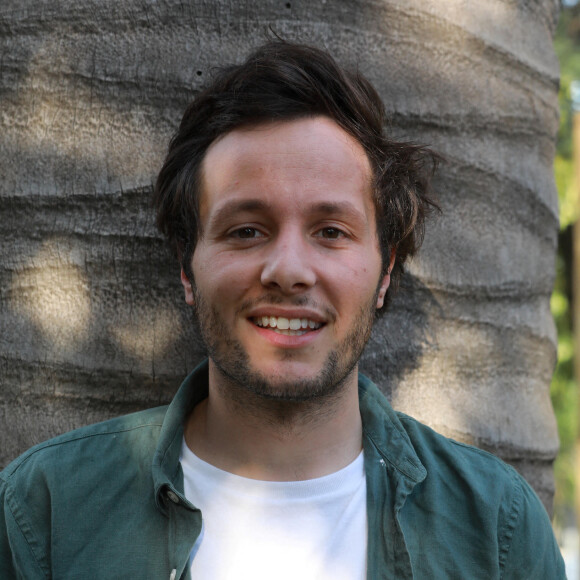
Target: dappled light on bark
x=152, y=329
x=53, y=293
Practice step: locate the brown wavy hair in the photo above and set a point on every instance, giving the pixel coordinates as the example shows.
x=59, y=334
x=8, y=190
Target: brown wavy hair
x=283, y=81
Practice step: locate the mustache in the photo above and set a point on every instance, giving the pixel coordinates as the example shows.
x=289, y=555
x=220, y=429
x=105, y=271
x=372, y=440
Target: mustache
x=268, y=299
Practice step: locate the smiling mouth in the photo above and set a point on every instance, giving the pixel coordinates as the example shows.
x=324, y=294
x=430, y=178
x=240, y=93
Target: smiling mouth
x=288, y=326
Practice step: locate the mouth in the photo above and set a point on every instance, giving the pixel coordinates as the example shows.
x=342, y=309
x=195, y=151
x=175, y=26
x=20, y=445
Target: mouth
x=287, y=326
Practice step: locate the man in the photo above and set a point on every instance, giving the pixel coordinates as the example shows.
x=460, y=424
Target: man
x=292, y=214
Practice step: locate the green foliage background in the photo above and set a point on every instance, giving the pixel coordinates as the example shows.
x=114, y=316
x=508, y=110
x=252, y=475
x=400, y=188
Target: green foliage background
x=563, y=389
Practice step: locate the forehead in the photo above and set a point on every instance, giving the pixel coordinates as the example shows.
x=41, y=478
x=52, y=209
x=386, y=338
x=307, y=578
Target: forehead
x=311, y=159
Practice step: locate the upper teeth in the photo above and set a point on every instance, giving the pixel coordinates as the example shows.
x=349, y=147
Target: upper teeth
x=286, y=323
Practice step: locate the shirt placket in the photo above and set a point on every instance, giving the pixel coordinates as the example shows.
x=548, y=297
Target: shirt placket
x=184, y=529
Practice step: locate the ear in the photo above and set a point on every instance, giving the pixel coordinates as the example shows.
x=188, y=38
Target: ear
x=386, y=281
x=189, y=297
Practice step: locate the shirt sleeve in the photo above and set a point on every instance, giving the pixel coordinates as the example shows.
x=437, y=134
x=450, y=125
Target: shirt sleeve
x=528, y=548
x=17, y=556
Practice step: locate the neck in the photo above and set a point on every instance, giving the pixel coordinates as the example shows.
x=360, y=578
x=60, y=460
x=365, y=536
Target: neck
x=273, y=440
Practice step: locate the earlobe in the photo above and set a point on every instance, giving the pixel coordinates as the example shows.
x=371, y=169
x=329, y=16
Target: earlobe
x=385, y=283
x=189, y=296
x=383, y=290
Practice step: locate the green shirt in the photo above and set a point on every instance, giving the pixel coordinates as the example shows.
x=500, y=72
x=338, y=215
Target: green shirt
x=106, y=501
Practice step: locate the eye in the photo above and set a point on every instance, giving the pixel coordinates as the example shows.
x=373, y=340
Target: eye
x=331, y=233
x=246, y=233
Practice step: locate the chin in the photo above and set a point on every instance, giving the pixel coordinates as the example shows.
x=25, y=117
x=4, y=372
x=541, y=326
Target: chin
x=284, y=381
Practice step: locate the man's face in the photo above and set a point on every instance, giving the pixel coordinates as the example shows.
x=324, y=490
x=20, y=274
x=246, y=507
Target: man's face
x=287, y=270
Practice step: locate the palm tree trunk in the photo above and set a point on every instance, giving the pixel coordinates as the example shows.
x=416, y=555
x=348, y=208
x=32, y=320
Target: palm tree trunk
x=91, y=314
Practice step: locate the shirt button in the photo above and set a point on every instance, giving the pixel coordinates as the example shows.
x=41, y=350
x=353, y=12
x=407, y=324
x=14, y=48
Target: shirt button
x=174, y=571
x=172, y=496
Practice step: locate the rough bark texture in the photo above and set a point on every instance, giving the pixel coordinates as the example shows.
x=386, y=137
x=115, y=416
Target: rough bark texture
x=91, y=316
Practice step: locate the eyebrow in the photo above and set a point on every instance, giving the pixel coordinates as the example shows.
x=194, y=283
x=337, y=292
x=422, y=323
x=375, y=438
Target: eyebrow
x=341, y=208
x=232, y=208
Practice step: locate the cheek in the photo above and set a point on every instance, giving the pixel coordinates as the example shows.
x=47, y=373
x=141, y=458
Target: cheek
x=352, y=286
x=359, y=273
x=222, y=277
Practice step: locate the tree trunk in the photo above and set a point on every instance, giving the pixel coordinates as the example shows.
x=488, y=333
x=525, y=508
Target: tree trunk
x=91, y=310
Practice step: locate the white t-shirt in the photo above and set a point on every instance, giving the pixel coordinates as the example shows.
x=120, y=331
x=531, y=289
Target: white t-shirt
x=264, y=530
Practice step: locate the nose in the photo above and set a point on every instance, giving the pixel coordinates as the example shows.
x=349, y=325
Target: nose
x=289, y=264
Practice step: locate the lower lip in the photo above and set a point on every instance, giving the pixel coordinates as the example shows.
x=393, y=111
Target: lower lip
x=286, y=340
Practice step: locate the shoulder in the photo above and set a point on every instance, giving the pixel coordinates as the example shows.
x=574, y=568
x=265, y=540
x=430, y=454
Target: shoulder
x=91, y=443
x=489, y=501
x=464, y=469
x=459, y=507
x=63, y=492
